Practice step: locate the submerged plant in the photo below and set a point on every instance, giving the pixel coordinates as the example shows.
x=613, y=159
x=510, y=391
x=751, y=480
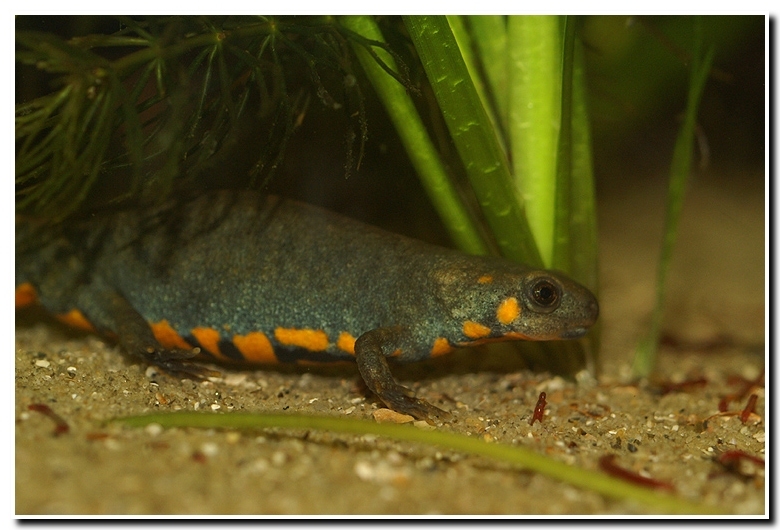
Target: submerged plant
x=167, y=98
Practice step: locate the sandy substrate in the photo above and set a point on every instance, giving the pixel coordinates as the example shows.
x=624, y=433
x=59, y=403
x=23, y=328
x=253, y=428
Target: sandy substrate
x=716, y=322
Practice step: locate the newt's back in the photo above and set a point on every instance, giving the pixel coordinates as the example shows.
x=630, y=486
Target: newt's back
x=258, y=278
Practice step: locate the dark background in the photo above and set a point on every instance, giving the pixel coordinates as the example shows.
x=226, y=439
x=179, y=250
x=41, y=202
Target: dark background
x=637, y=81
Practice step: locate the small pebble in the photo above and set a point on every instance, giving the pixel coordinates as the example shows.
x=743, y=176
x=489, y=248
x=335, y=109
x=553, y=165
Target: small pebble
x=391, y=416
x=153, y=429
x=209, y=449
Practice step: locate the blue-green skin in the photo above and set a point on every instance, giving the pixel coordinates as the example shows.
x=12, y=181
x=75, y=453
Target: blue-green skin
x=248, y=263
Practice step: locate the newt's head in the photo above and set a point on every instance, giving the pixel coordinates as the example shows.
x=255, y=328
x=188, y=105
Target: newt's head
x=494, y=300
x=518, y=304
x=552, y=307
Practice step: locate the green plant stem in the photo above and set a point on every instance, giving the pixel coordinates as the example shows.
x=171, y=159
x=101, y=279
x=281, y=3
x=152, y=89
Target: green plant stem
x=519, y=456
x=534, y=48
x=475, y=139
x=415, y=138
x=574, y=244
x=583, y=241
x=644, y=361
x=489, y=34
x=468, y=48
x=561, y=242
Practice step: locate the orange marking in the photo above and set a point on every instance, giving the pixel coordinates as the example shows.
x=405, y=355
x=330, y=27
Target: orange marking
x=167, y=336
x=475, y=330
x=26, y=295
x=487, y=278
x=440, y=347
x=209, y=339
x=311, y=339
x=508, y=310
x=346, y=342
x=255, y=347
x=76, y=319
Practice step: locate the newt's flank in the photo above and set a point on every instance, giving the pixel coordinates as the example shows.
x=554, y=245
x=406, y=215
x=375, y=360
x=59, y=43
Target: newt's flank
x=238, y=276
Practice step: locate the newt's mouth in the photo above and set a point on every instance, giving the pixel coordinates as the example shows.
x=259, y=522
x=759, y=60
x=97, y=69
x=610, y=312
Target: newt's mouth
x=574, y=333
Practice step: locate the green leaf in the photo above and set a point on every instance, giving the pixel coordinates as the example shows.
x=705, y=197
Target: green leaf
x=490, y=39
x=534, y=47
x=475, y=139
x=644, y=361
x=521, y=457
x=418, y=144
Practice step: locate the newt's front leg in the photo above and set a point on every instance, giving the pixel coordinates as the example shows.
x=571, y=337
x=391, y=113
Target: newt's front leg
x=371, y=352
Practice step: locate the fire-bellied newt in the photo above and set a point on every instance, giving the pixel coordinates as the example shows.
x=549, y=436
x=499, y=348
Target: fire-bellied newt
x=245, y=277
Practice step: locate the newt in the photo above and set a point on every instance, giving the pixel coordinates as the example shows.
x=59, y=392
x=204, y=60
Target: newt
x=239, y=276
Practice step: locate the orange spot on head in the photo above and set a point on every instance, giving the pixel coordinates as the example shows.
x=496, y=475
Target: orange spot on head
x=26, y=295
x=346, y=342
x=475, y=330
x=311, y=339
x=440, y=347
x=486, y=278
x=167, y=336
x=255, y=347
x=76, y=319
x=508, y=310
x=209, y=339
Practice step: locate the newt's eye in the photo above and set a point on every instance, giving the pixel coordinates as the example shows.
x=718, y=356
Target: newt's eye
x=546, y=295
